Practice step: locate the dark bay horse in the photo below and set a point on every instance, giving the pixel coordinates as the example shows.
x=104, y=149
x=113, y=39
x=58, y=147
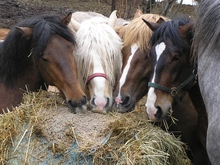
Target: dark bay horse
x=36, y=53
x=206, y=51
x=174, y=75
x=133, y=84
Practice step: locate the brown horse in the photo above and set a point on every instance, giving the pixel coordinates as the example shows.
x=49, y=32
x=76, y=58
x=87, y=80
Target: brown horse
x=135, y=51
x=174, y=75
x=137, y=65
x=36, y=53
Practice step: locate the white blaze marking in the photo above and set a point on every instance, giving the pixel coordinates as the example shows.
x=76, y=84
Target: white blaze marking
x=151, y=98
x=98, y=81
x=134, y=48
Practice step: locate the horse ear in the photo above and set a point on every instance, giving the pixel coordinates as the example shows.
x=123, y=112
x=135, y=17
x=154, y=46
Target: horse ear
x=186, y=30
x=66, y=20
x=160, y=20
x=74, y=25
x=153, y=26
x=112, y=19
x=27, y=32
x=138, y=13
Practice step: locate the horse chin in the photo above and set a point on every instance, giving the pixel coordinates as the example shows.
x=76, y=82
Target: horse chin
x=122, y=109
x=77, y=109
x=81, y=109
x=160, y=118
x=99, y=110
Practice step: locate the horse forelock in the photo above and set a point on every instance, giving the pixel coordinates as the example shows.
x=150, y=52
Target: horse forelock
x=168, y=31
x=99, y=39
x=137, y=32
x=45, y=27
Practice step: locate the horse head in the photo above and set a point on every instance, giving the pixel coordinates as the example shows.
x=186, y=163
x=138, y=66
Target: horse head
x=53, y=57
x=98, y=58
x=173, y=72
x=137, y=65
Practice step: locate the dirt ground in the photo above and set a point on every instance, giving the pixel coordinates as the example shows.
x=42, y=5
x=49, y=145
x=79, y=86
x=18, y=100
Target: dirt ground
x=13, y=11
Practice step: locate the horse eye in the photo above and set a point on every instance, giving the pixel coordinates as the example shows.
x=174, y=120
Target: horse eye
x=176, y=58
x=146, y=56
x=44, y=59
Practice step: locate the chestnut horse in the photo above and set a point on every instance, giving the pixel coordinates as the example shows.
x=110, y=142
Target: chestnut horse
x=206, y=48
x=174, y=75
x=36, y=53
x=132, y=86
x=99, y=59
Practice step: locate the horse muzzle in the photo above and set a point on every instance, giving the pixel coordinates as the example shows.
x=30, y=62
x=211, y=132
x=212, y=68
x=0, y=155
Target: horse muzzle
x=80, y=104
x=100, y=104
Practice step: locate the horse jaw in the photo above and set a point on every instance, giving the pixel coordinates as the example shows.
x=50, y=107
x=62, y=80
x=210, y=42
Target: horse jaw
x=112, y=19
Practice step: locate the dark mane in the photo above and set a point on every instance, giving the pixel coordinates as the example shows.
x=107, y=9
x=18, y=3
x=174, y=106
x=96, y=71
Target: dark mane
x=15, y=50
x=169, y=30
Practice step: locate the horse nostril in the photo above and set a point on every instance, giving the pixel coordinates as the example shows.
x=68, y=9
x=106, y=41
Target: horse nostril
x=72, y=104
x=159, y=112
x=84, y=100
x=126, y=100
x=107, y=103
x=92, y=102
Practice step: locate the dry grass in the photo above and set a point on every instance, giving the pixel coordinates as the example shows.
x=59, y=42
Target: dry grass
x=129, y=138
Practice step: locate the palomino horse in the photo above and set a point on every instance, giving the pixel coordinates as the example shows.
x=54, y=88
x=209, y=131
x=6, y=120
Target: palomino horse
x=174, y=75
x=135, y=51
x=206, y=48
x=38, y=51
x=99, y=59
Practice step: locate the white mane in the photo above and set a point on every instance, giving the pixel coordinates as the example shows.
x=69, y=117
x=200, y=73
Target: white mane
x=96, y=38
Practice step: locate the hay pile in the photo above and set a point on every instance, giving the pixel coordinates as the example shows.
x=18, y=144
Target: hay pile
x=42, y=130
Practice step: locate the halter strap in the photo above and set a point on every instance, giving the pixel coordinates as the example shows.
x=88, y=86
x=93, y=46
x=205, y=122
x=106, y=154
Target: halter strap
x=92, y=76
x=174, y=90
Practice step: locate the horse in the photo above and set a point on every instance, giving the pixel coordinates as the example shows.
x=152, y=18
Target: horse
x=37, y=52
x=99, y=59
x=205, y=52
x=138, y=74
x=173, y=75
x=131, y=86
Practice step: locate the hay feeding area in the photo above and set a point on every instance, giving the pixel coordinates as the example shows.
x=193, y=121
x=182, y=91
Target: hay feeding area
x=43, y=130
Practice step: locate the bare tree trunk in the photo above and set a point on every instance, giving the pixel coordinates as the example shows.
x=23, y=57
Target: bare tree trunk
x=113, y=5
x=168, y=6
x=180, y=4
x=150, y=5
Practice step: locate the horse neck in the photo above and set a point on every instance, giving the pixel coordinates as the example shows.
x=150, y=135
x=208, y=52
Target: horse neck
x=197, y=100
x=30, y=79
x=199, y=105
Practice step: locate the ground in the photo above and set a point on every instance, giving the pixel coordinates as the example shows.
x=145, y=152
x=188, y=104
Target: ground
x=13, y=11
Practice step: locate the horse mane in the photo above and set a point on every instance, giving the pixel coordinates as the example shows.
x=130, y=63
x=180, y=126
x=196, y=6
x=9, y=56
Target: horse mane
x=168, y=31
x=16, y=50
x=96, y=38
x=207, y=27
x=81, y=16
x=137, y=31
